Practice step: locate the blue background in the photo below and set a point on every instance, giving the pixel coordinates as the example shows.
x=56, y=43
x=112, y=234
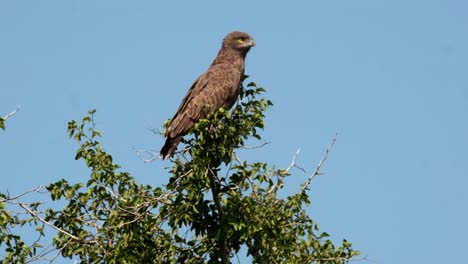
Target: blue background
x=390, y=77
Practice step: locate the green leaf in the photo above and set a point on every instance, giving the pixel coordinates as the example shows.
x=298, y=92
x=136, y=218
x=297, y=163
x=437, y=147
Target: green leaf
x=2, y=123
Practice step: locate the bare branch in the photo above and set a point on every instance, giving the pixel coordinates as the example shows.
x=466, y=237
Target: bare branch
x=275, y=186
x=37, y=189
x=46, y=251
x=236, y=158
x=294, y=163
x=12, y=113
x=317, y=169
x=156, y=131
x=153, y=154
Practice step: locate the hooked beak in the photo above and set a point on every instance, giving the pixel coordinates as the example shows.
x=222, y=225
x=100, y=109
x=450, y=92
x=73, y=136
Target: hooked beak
x=251, y=43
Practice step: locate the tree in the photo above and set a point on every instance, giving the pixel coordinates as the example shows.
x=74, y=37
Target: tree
x=213, y=205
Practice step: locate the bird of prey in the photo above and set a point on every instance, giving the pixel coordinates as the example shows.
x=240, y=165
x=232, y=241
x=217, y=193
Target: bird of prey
x=218, y=87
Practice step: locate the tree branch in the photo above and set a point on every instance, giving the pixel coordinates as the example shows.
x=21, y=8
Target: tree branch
x=317, y=169
x=153, y=154
x=12, y=113
x=214, y=185
x=294, y=163
x=254, y=147
x=35, y=215
x=21, y=194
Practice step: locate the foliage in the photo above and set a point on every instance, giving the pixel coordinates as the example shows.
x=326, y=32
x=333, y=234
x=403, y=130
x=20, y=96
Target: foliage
x=16, y=249
x=2, y=123
x=213, y=205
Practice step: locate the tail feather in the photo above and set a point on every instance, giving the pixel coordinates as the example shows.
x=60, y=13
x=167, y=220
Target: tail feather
x=170, y=146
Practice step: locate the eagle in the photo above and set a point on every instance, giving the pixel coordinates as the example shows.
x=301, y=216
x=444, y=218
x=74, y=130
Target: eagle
x=218, y=87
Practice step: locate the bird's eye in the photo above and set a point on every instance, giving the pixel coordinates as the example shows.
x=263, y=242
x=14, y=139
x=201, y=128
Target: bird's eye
x=240, y=40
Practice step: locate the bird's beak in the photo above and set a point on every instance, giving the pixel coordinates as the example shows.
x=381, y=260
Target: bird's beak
x=251, y=43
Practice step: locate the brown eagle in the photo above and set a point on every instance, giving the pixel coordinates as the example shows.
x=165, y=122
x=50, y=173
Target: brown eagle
x=218, y=87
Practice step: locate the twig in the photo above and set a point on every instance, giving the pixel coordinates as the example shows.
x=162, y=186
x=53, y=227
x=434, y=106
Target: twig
x=332, y=259
x=156, y=131
x=293, y=162
x=275, y=186
x=46, y=251
x=317, y=169
x=53, y=226
x=151, y=153
x=255, y=147
x=236, y=158
x=114, y=194
x=22, y=194
x=12, y=113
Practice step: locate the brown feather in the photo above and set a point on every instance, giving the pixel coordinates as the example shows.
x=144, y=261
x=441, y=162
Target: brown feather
x=218, y=87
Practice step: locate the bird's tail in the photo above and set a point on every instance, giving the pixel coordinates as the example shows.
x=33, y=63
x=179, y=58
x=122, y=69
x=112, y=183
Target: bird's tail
x=170, y=146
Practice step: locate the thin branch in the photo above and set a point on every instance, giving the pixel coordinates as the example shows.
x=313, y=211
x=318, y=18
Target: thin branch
x=255, y=147
x=341, y=259
x=236, y=158
x=156, y=131
x=114, y=194
x=153, y=155
x=22, y=194
x=293, y=162
x=178, y=179
x=317, y=169
x=46, y=251
x=34, y=214
x=12, y=113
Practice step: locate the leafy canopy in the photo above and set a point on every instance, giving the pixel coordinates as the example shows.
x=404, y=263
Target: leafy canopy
x=213, y=205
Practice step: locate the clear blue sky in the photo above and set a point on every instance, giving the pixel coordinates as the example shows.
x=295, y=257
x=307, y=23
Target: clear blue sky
x=391, y=77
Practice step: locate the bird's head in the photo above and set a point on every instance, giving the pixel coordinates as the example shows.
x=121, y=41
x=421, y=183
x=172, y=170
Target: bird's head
x=240, y=41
